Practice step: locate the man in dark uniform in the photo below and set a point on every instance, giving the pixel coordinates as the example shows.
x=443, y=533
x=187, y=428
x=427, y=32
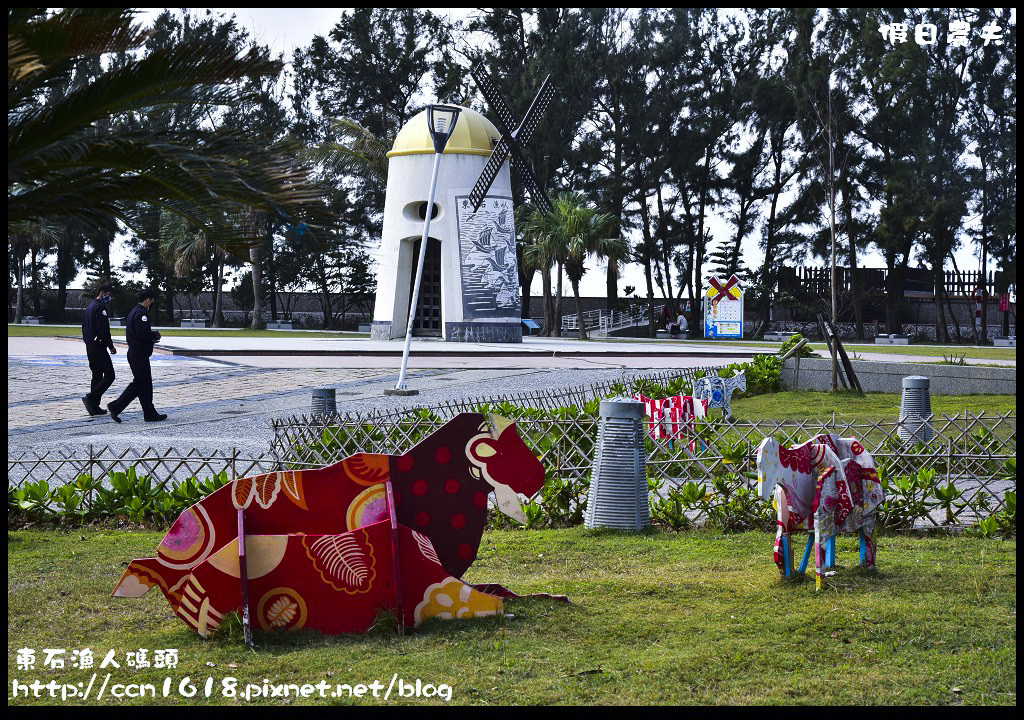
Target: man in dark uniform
x=96, y=334
x=141, y=337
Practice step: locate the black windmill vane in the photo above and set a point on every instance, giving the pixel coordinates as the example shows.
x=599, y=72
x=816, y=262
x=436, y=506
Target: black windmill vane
x=512, y=141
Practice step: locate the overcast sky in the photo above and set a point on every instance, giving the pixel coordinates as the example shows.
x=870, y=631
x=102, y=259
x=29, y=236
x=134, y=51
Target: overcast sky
x=284, y=29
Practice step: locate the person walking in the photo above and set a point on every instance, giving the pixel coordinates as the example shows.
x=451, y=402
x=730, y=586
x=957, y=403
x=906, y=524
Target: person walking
x=96, y=335
x=141, y=337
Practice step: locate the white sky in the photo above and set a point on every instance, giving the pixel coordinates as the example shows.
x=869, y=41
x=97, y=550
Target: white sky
x=284, y=29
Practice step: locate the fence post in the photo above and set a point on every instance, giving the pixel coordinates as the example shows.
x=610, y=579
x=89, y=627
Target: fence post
x=90, y=498
x=949, y=462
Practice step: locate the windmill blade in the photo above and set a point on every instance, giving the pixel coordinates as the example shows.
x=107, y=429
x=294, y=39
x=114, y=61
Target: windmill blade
x=494, y=99
x=490, y=171
x=540, y=198
x=540, y=103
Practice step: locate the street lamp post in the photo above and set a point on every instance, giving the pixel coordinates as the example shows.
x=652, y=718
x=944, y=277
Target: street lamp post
x=441, y=121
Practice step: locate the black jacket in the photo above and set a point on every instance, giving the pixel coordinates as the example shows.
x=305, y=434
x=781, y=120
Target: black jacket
x=138, y=331
x=96, y=325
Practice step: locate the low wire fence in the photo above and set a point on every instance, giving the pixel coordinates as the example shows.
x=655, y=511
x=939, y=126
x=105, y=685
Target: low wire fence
x=968, y=450
x=164, y=466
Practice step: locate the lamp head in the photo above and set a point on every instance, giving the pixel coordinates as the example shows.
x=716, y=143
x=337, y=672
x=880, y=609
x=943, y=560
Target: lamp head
x=442, y=119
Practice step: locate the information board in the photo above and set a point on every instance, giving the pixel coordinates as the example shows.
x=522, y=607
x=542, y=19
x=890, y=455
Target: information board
x=723, y=309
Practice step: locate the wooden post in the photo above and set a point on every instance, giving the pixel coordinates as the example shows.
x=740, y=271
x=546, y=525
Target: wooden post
x=243, y=576
x=396, y=568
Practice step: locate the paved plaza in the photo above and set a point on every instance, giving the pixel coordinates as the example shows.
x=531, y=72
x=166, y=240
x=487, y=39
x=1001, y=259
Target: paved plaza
x=228, y=397
x=223, y=393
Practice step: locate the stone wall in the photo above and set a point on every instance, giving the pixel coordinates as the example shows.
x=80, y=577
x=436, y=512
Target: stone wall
x=887, y=377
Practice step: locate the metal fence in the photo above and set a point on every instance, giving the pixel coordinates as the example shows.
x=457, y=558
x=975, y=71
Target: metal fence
x=967, y=450
x=60, y=467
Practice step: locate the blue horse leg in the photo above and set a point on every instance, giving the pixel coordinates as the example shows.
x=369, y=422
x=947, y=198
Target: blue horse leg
x=830, y=552
x=787, y=556
x=807, y=553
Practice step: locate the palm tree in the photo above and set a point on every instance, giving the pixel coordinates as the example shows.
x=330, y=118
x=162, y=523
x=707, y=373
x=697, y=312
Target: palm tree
x=187, y=249
x=571, y=234
x=21, y=238
x=359, y=152
x=66, y=157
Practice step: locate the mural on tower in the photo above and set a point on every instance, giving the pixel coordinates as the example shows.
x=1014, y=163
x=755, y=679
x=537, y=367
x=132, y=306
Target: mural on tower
x=487, y=249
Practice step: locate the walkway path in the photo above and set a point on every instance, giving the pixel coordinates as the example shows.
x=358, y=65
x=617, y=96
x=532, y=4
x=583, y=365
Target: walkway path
x=216, y=400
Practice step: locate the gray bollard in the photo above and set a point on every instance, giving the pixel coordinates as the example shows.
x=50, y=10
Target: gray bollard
x=323, y=401
x=618, y=485
x=915, y=409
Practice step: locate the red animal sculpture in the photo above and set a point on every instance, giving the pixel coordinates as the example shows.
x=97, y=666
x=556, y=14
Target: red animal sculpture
x=331, y=548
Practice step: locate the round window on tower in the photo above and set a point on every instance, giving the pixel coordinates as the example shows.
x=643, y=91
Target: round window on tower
x=418, y=211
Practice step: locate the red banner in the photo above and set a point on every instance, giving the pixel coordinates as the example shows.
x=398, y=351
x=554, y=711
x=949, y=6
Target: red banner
x=1004, y=302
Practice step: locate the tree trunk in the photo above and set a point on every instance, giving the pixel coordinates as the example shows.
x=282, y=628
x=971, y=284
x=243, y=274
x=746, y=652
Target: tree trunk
x=257, y=288
x=62, y=284
x=34, y=266
x=579, y=308
x=768, y=269
x=325, y=296
x=271, y=271
x=645, y=227
x=651, y=330
x=549, y=307
x=858, y=312
x=525, y=283
x=218, y=295
x=893, y=295
x=19, y=302
x=941, y=331
x=558, y=302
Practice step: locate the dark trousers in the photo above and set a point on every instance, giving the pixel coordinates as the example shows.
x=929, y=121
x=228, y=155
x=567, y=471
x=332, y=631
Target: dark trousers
x=102, y=372
x=140, y=387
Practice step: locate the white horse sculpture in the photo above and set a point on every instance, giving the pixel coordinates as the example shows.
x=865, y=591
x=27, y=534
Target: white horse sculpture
x=717, y=392
x=826, y=484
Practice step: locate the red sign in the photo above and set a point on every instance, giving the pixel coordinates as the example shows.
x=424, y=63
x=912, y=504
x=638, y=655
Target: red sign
x=1004, y=302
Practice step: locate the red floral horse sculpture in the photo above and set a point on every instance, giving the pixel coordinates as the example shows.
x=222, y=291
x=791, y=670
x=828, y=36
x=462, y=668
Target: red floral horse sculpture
x=331, y=548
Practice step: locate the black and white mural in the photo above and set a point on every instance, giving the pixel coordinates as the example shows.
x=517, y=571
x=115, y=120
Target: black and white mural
x=487, y=247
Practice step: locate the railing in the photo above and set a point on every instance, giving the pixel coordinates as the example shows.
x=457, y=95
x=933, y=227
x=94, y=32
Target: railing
x=605, y=320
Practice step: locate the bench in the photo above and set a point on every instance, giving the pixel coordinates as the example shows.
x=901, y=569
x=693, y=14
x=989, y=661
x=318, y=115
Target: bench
x=31, y=320
x=364, y=328
x=531, y=325
x=1005, y=341
x=778, y=336
x=117, y=322
x=893, y=339
x=280, y=325
x=193, y=322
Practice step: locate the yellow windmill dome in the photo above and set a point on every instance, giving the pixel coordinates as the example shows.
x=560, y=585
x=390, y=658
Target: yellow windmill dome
x=474, y=135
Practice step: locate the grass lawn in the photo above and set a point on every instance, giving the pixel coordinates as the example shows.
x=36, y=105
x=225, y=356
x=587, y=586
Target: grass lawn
x=54, y=330
x=803, y=404
x=656, y=618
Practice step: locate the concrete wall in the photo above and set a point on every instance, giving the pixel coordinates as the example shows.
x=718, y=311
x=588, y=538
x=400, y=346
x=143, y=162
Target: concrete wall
x=887, y=377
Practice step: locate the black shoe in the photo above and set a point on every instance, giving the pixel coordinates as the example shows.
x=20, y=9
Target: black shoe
x=113, y=415
x=156, y=418
x=92, y=409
